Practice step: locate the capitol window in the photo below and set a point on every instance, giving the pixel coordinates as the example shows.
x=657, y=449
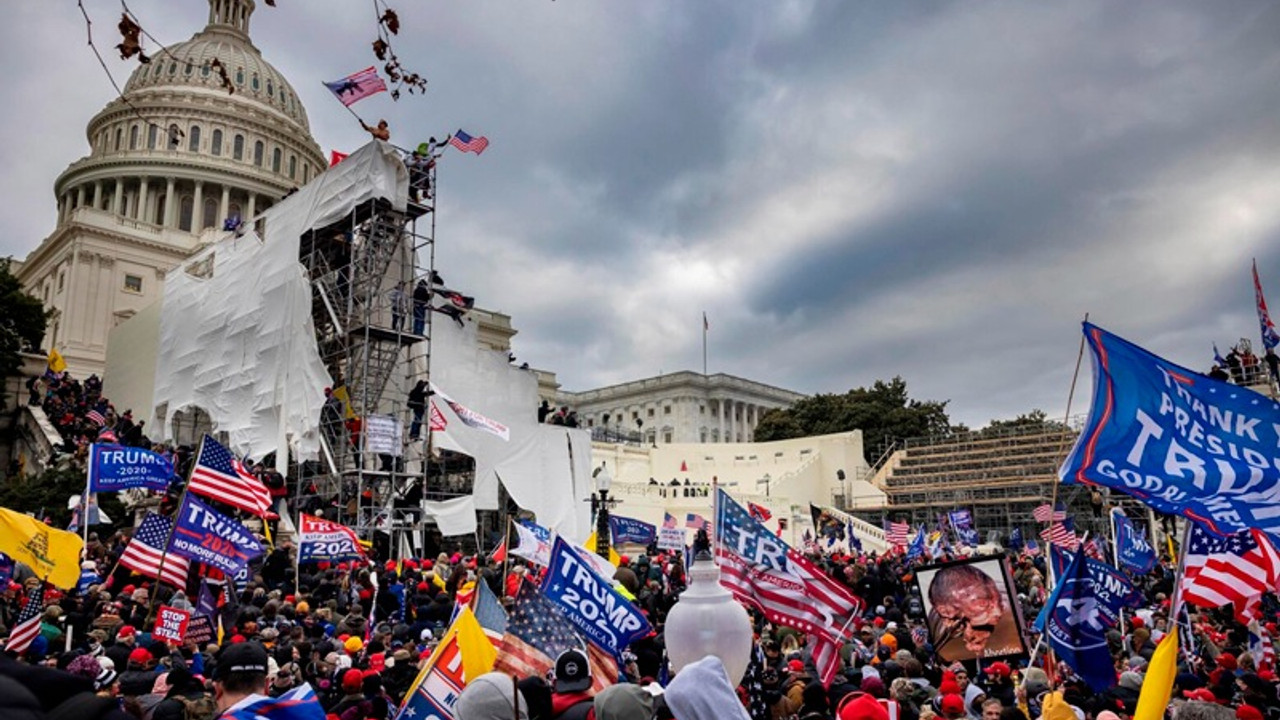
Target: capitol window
x=255, y=83
x=271, y=89
x=193, y=139
x=237, y=148
x=215, y=146
x=189, y=69
x=119, y=138
x=186, y=209
x=276, y=157
x=152, y=132
x=173, y=68
x=293, y=166
x=240, y=76
x=133, y=283
x=258, y=151
x=205, y=70
x=175, y=137
x=133, y=138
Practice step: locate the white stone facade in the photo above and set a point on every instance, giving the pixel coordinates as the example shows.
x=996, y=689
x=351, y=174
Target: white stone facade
x=160, y=174
x=683, y=407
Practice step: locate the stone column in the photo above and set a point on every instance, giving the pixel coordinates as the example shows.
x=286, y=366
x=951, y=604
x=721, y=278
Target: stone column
x=197, y=208
x=117, y=204
x=720, y=419
x=226, y=204
x=80, y=195
x=170, y=204
x=251, y=208
x=97, y=194
x=140, y=212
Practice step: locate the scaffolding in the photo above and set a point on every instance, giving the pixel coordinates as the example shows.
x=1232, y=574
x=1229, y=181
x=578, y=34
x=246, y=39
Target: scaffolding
x=374, y=301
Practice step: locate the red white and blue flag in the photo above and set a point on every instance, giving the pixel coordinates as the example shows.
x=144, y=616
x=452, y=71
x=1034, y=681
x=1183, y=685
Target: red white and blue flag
x=1270, y=338
x=145, y=552
x=96, y=418
x=466, y=143
x=28, y=625
x=668, y=521
x=764, y=572
x=357, y=86
x=218, y=475
x=695, y=522
x=1236, y=570
x=895, y=533
x=759, y=512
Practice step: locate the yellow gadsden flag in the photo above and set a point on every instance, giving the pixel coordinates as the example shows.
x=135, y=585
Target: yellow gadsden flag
x=1157, y=686
x=49, y=552
x=56, y=362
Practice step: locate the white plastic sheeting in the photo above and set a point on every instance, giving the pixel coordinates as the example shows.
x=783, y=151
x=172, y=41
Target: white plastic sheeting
x=535, y=464
x=240, y=343
x=454, y=517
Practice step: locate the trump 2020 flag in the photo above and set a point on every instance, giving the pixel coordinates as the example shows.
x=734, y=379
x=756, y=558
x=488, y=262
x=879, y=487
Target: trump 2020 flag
x=625, y=529
x=357, y=86
x=1180, y=441
x=322, y=540
x=207, y=536
x=590, y=603
x=1077, y=617
x=1132, y=549
x=113, y=468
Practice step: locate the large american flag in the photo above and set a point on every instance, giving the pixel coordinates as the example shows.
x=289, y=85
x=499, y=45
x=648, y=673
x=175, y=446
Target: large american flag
x=1235, y=569
x=1046, y=512
x=536, y=635
x=466, y=143
x=764, y=572
x=145, y=550
x=896, y=533
x=695, y=521
x=28, y=625
x=218, y=475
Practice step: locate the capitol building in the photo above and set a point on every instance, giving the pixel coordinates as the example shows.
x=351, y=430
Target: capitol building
x=176, y=160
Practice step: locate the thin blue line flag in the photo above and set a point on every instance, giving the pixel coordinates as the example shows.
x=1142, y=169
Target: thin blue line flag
x=1179, y=441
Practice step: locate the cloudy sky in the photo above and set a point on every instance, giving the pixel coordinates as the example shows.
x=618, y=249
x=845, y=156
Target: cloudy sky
x=850, y=190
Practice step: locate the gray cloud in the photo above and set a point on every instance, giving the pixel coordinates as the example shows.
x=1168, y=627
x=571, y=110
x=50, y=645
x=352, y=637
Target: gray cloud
x=850, y=190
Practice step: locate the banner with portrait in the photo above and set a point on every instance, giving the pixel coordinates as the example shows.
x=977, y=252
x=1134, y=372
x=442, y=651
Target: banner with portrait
x=972, y=610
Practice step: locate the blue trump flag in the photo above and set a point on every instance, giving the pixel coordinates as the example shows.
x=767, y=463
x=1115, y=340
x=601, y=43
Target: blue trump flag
x=625, y=529
x=113, y=468
x=1078, y=614
x=917, y=545
x=1178, y=440
x=1015, y=539
x=1132, y=549
x=590, y=603
x=207, y=536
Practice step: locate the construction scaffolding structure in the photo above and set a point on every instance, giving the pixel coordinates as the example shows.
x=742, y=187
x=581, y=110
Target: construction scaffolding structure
x=374, y=289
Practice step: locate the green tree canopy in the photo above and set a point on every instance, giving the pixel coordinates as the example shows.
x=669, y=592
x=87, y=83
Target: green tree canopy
x=881, y=411
x=22, y=323
x=1037, y=419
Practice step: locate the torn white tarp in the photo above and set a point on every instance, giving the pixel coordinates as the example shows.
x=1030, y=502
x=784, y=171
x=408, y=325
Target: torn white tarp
x=236, y=336
x=545, y=468
x=454, y=517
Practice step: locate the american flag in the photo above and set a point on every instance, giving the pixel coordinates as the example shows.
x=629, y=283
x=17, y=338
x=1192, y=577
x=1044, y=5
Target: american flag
x=144, y=552
x=96, y=418
x=787, y=587
x=669, y=521
x=218, y=475
x=896, y=533
x=1092, y=550
x=695, y=521
x=1236, y=569
x=1261, y=647
x=1058, y=534
x=357, y=86
x=489, y=613
x=1033, y=549
x=1045, y=512
x=536, y=635
x=466, y=143
x=107, y=435
x=28, y=625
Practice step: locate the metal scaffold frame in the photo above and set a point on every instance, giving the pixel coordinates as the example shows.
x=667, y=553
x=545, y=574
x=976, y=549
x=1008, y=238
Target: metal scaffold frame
x=374, y=288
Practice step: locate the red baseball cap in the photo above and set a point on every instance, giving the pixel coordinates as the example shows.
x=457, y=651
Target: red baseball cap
x=952, y=704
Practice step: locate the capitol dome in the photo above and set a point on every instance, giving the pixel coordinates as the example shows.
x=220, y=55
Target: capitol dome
x=180, y=152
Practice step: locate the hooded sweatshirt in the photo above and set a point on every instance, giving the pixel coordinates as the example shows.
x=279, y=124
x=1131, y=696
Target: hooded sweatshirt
x=489, y=697
x=701, y=691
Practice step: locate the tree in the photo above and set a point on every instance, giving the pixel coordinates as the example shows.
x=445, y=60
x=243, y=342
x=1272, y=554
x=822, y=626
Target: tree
x=1037, y=419
x=22, y=323
x=880, y=411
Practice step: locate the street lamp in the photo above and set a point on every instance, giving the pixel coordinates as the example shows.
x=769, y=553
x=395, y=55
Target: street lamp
x=706, y=620
x=601, y=502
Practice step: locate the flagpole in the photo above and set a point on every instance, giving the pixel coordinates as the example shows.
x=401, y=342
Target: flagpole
x=1115, y=558
x=173, y=526
x=297, y=554
x=506, y=539
x=1066, y=420
x=704, y=343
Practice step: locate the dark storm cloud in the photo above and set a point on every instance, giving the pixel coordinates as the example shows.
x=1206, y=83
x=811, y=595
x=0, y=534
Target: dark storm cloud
x=851, y=190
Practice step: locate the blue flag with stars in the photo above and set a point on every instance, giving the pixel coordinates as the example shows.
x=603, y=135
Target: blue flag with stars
x=1133, y=550
x=917, y=546
x=1078, y=614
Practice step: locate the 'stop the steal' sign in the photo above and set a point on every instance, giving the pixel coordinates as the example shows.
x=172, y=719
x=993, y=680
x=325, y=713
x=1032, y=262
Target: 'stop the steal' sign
x=590, y=602
x=1180, y=441
x=171, y=624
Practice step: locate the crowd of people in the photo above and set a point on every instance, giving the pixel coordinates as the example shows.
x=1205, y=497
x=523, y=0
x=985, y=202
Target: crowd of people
x=360, y=647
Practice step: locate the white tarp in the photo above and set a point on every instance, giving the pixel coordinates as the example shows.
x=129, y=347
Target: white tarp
x=454, y=517
x=534, y=464
x=240, y=342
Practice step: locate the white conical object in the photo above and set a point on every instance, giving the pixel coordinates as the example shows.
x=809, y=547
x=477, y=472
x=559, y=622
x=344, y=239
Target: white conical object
x=706, y=620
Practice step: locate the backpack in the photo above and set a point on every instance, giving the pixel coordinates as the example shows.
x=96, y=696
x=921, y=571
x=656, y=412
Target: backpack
x=202, y=708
